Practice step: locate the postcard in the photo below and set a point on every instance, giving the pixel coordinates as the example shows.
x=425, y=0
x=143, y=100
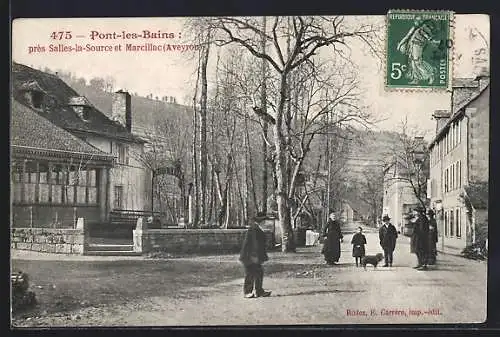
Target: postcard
x=214, y=171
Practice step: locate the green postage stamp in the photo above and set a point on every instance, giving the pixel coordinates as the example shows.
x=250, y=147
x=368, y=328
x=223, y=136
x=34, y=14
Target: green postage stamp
x=419, y=49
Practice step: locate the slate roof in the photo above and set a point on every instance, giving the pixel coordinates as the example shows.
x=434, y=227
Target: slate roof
x=477, y=194
x=146, y=111
x=57, y=109
x=464, y=92
x=30, y=130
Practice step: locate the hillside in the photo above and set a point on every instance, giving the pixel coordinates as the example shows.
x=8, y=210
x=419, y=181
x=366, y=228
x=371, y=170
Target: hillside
x=365, y=154
x=145, y=111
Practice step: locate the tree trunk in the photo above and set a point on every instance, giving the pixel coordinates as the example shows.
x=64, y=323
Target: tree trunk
x=203, y=130
x=241, y=183
x=195, y=193
x=281, y=174
x=212, y=195
x=263, y=101
x=248, y=162
x=228, y=204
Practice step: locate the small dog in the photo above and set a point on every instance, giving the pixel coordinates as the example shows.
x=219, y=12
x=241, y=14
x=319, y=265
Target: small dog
x=372, y=259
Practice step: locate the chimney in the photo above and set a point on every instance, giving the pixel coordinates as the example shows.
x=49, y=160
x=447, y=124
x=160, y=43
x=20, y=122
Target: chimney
x=441, y=117
x=121, y=109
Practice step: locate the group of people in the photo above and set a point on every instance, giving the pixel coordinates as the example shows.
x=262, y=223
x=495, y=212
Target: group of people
x=424, y=238
x=423, y=243
x=333, y=237
x=387, y=237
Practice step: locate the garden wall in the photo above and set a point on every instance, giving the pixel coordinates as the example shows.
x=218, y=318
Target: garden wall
x=49, y=240
x=192, y=240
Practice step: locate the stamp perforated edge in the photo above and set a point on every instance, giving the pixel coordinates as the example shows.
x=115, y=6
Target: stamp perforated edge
x=451, y=55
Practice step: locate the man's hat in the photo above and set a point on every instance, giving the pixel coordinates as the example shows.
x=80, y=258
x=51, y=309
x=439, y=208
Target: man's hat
x=386, y=218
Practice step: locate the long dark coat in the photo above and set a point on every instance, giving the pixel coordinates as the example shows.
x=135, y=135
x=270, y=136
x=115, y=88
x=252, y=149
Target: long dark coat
x=388, y=236
x=331, y=246
x=420, y=237
x=254, y=246
x=358, y=245
x=433, y=239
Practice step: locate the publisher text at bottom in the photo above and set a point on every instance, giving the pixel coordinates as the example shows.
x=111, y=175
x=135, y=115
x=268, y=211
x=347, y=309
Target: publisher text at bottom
x=393, y=312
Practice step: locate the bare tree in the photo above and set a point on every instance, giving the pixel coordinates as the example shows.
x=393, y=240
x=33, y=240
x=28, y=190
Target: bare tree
x=97, y=83
x=109, y=83
x=227, y=137
x=370, y=190
x=410, y=158
x=295, y=41
x=167, y=157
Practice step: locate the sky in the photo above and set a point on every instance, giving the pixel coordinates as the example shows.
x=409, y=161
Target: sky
x=172, y=73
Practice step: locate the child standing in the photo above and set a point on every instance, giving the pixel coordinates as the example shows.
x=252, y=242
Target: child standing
x=358, y=246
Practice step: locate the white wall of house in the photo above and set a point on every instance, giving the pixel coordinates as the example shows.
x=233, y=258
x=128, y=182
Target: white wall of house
x=130, y=179
x=448, y=175
x=398, y=197
x=347, y=213
x=103, y=144
x=461, y=155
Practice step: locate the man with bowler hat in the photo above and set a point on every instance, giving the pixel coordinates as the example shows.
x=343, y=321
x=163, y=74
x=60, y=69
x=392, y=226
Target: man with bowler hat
x=253, y=254
x=387, y=235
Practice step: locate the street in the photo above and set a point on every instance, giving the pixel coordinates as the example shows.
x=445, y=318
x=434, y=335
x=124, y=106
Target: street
x=454, y=291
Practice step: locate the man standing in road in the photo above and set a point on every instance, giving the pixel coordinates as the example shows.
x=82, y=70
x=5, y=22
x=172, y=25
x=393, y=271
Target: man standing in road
x=420, y=238
x=253, y=254
x=387, y=235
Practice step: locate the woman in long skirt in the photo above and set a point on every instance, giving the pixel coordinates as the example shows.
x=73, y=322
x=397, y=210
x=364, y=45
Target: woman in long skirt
x=332, y=235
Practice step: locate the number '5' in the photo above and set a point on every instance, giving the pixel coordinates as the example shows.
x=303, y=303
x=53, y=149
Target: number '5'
x=397, y=70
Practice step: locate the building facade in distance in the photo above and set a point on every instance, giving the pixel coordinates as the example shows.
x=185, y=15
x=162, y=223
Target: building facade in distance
x=399, y=197
x=459, y=165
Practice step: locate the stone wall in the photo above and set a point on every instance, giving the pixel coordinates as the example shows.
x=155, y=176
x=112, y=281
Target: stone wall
x=48, y=240
x=192, y=240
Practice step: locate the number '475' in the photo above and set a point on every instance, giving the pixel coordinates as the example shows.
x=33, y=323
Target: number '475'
x=61, y=35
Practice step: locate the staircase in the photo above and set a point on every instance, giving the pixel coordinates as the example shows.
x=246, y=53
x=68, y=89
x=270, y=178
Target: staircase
x=111, y=250
x=109, y=246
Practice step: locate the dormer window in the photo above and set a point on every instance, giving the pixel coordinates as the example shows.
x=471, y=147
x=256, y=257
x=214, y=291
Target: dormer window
x=81, y=106
x=37, y=99
x=33, y=94
x=82, y=112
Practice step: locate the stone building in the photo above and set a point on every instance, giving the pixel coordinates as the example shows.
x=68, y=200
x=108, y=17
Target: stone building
x=459, y=165
x=68, y=159
x=399, y=197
